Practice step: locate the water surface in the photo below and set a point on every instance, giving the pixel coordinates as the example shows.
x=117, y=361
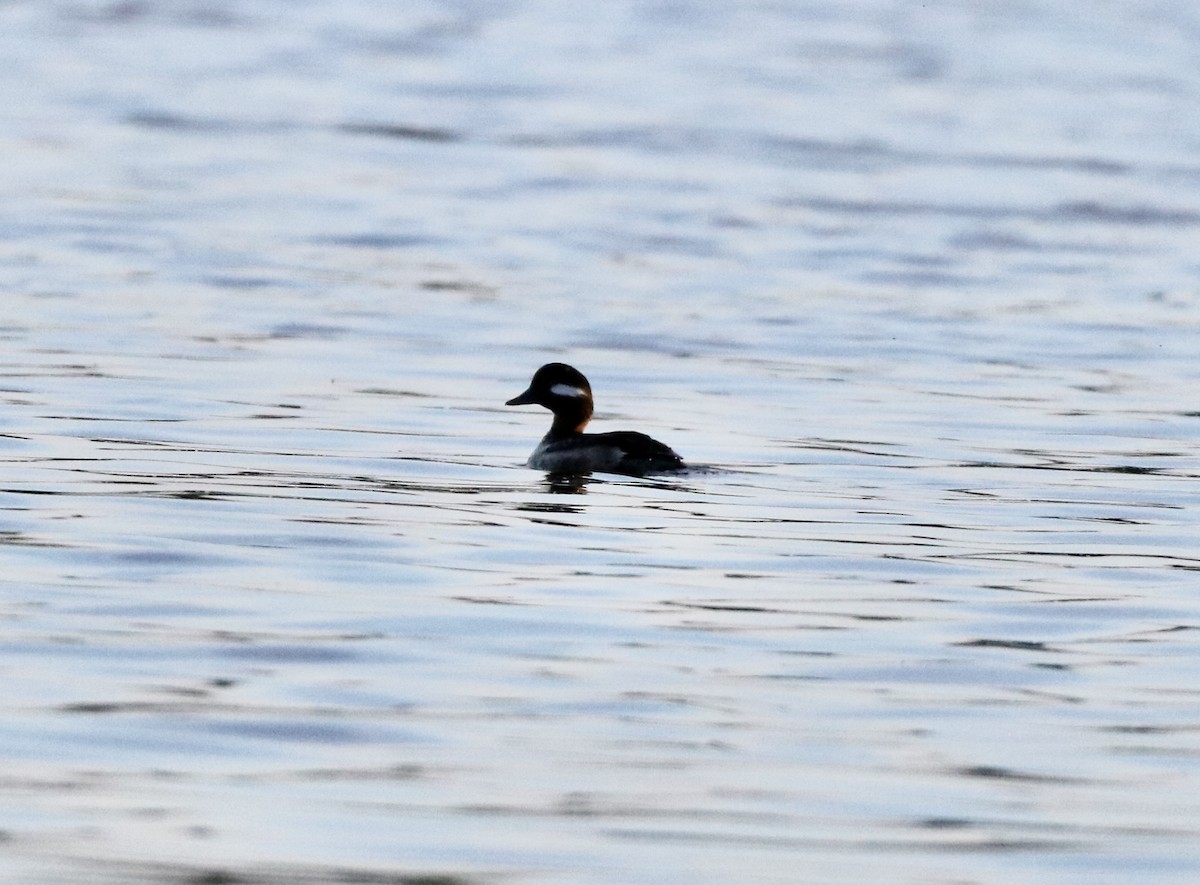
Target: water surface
x=915, y=287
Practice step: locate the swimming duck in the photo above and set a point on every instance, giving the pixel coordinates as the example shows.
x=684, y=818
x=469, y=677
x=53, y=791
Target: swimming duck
x=566, y=449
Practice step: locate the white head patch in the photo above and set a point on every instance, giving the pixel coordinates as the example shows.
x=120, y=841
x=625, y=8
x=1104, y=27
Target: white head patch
x=568, y=390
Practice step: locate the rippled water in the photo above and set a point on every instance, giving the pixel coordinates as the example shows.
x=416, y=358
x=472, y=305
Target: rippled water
x=915, y=285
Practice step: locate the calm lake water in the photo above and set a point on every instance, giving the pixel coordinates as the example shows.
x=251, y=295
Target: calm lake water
x=916, y=285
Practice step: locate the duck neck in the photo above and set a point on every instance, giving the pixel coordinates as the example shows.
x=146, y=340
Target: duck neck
x=571, y=420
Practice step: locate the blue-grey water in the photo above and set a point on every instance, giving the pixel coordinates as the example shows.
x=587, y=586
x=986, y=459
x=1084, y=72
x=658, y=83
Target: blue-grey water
x=917, y=284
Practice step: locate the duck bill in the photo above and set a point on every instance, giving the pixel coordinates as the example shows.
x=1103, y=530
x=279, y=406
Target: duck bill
x=522, y=399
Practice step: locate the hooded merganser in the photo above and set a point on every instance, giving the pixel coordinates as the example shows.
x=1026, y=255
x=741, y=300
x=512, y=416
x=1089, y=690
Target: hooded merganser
x=566, y=449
